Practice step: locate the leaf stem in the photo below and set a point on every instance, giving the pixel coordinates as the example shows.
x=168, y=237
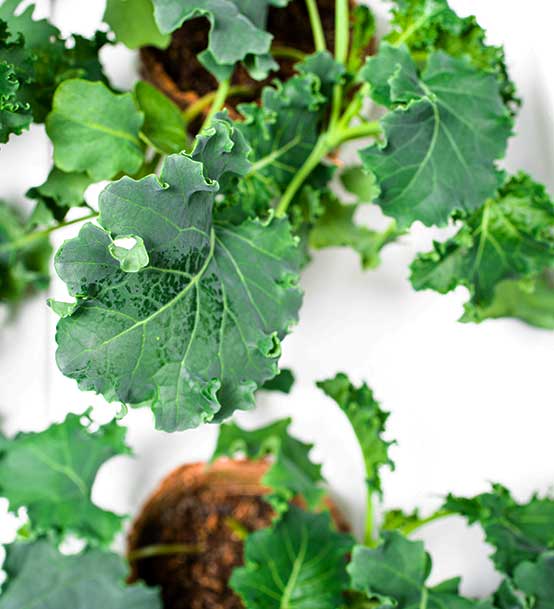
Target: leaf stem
x=414, y=526
x=163, y=550
x=218, y=102
x=317, y=28
x=287, y=52
x=319, y=151
x=369, y=537
x=372, y=129
x=40, y=234
x=190, y=113
x=342, y=40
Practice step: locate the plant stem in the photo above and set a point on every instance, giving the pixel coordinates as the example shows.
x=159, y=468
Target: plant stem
x=287, y=52
x=372, y=129
x=206, y=100
x=317, y=28
x=273, y=156
x=319, y=151
x=40, y=234
x=414, y=526
x=369, y=538
x=342, y=36
x=218, y=102
x=163, y=550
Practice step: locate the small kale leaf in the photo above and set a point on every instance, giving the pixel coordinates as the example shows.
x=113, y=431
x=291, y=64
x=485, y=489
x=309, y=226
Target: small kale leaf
x=299, y=562
x=511, y=238
x=337, y=227
x=446, y=128
x=237, y=32
x=52, y=472
x=195, y=331
x=283, y=382
x=24, y=259
x=518, y=532
x=87, y=117
x=133, y=24
x=430, y=25
x=38, y=572
x=395, y=574
x=368, y=422
x=291, y=474
x=537, y=580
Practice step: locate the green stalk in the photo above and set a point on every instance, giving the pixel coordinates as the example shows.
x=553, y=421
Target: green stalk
x=372, y=129
x=319, y=151
x=317, y=28
x=414, y=526
x=369, y=537
x=40, y=234
x=163, y=550
x=205, y=101
x=287, y=53
x=218, y=103
x=342, y=40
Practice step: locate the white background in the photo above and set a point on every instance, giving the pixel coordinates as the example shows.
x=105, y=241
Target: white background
x=470, y=404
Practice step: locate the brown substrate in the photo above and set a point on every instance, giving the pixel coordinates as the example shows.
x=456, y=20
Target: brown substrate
x=201, y=505
x=178, y=73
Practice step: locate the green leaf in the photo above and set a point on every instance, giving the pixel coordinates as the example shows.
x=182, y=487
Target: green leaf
x=337, y=228
x=50, y=59
x=163, y=125
x=24, y=261
x=133, y=24
x=131, y=259
x=39, y=576
x=15, y=112
x=429, y=25
x=194, y=333
x=237, y=31
x=328, y=71
x=299, y=562
x=395, y=575
x=368, y=423
x=510, y=238
x=446, y=129
x=87, y=117
x=537, y=580
x=518, y=532
x=60, y=192
x=357, y=181
x=292, y=473
x=283, y=382
x=52, y=472
x=507, y=597
x=531, y=301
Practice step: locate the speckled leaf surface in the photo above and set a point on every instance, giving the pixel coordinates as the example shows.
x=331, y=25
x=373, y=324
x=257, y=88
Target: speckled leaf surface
x=39, y=576
x=195, y=331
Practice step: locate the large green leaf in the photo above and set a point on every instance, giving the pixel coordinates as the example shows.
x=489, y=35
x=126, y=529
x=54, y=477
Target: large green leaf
x=52, y=472
x=537, y=580
x=368, y=422
x=292, y=472
x=87, y=118
x=446, y=128
x=133, y=24
x=24, y=261
x=395, y=575
x=299, y=563
x=237, y=31
x=195, y=331
x=518, y=532
x=429, y=25
x=510, y=238
x=38, y=576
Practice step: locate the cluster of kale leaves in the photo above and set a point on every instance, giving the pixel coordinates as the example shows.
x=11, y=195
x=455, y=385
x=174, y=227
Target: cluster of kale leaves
x=188, y=318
